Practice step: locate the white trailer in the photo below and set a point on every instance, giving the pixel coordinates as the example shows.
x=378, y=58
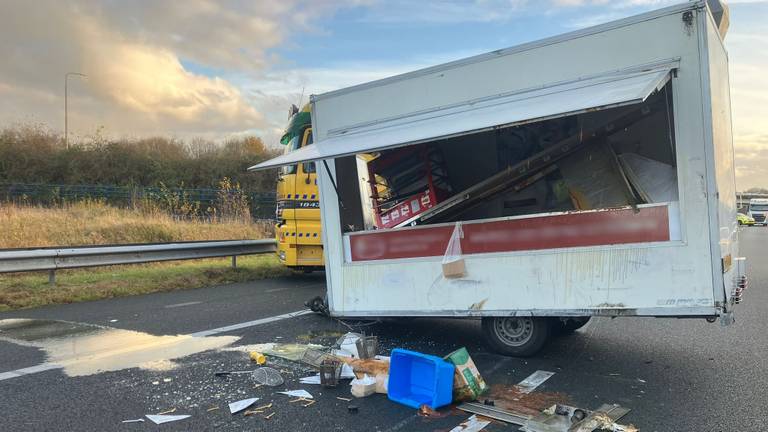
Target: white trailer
x=587, y=174
x=758, y=210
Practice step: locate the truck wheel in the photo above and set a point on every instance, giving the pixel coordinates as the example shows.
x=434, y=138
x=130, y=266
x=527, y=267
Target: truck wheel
x=571, y=324
x=516, y=336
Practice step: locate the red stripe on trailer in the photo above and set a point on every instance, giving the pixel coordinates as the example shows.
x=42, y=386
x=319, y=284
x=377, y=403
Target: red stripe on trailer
x=604, y=227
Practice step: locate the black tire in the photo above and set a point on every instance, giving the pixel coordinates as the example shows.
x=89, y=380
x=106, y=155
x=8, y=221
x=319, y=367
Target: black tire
x=569, y=325
x=516, y=336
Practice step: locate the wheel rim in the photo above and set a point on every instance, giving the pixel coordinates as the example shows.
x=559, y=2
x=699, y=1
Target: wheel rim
x=513, y=331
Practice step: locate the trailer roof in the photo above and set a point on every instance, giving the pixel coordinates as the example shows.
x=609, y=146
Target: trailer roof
x=556, y=100
x=673, y=9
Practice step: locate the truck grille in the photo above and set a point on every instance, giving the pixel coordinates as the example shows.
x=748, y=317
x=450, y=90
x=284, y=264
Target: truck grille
x=759, y=217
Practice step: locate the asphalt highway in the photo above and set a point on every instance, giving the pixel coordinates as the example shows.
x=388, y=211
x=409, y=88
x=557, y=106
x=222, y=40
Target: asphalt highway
x=674, y=375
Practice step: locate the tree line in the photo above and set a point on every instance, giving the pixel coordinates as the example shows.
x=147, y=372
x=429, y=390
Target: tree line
x=33, y=154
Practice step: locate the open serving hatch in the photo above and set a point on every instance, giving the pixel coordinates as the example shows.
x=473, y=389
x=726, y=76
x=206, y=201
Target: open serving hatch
x=578, y=163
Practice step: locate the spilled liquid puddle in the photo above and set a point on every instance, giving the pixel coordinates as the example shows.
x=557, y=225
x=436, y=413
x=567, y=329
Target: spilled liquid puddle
x=86, y=349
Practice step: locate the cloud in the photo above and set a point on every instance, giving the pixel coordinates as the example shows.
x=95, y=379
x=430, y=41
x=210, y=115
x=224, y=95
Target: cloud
x=134, y=54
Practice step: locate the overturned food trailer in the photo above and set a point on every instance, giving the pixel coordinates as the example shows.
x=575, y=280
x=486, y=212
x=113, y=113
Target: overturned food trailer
x=536, y=186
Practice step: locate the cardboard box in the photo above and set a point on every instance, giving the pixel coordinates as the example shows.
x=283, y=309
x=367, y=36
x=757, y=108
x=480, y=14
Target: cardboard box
x=454, y=269
x=468, y=385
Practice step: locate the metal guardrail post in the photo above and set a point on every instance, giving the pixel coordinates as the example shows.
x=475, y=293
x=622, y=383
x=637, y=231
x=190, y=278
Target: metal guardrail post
x=234, y=261
x=51, y=277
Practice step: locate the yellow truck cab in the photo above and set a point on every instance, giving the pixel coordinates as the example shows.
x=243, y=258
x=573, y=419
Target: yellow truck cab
x=299, y=242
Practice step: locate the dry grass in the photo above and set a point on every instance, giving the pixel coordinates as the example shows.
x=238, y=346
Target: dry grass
x=94, y=223
x=26, y=290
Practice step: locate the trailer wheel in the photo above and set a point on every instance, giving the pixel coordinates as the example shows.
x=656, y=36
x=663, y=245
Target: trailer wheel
x=516, y=336
x=571, y=324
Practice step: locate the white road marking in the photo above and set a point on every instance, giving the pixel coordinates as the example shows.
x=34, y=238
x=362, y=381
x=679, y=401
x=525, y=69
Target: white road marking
x=251, y=323
x=51, y=366
x=170, y=306
x=29, y=371
x=275, y=290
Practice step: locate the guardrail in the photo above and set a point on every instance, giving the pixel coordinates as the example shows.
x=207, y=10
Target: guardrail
x=52, y=259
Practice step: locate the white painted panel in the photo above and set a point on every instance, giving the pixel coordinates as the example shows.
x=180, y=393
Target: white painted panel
x=644, y=42
x=666, y=276
x=723, y=213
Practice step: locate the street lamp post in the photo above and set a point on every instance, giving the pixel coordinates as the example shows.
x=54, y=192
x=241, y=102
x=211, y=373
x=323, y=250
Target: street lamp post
x=66, y=120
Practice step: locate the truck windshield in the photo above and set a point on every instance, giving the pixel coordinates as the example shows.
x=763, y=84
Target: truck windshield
x=758, y=207
x=292, y=145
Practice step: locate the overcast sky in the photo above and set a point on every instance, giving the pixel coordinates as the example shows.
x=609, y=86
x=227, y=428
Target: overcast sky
x=217, y=68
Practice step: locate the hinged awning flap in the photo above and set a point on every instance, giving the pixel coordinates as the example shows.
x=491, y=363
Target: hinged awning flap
x=558, y=100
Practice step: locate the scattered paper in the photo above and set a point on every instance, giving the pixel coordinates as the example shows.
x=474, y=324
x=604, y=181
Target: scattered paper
x=341, y=353
x=314, y=379
x=534, y=380
x=471, y=424
x=240, y=405
x=160, y=419
x=114, y=321
x=133, y=421
x=167, y=380
x=365, y=380
x=347, y=372
x=298, y=393
x=348, y=343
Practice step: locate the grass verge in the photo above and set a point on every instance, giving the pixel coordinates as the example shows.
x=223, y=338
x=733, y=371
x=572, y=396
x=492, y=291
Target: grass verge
x=27, y=290
x=96, y=223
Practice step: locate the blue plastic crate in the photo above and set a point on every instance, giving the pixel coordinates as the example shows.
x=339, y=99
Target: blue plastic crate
x=417, y=379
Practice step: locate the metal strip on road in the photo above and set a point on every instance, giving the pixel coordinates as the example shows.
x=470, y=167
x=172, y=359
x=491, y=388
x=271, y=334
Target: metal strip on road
x=51, y=366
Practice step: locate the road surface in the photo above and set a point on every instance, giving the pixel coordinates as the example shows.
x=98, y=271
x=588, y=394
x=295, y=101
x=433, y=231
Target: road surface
x=675, y=375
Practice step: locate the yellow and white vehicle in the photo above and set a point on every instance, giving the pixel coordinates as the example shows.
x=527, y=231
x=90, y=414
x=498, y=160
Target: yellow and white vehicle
x=298, y=234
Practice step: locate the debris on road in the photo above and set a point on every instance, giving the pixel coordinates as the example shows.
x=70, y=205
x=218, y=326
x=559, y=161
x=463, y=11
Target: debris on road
x=426, y=411
x=288, y=351
x=133, y=421
x=330, y=372
x=344, y=399
x=258, y=357
x=515, y=418
x=214, y=408
x=268, y=376
x=467, y=383
x=564, y=418
x=362, y=387
x=240, y=405
x=534, y=380
x=348, y=344
x=352, y=409
x=432, y=385
x=313, y=379
x=297, y=393
x=225, y=373
x=160, y=419
x=472, y=424
x=172, y=410
x=367, y=347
